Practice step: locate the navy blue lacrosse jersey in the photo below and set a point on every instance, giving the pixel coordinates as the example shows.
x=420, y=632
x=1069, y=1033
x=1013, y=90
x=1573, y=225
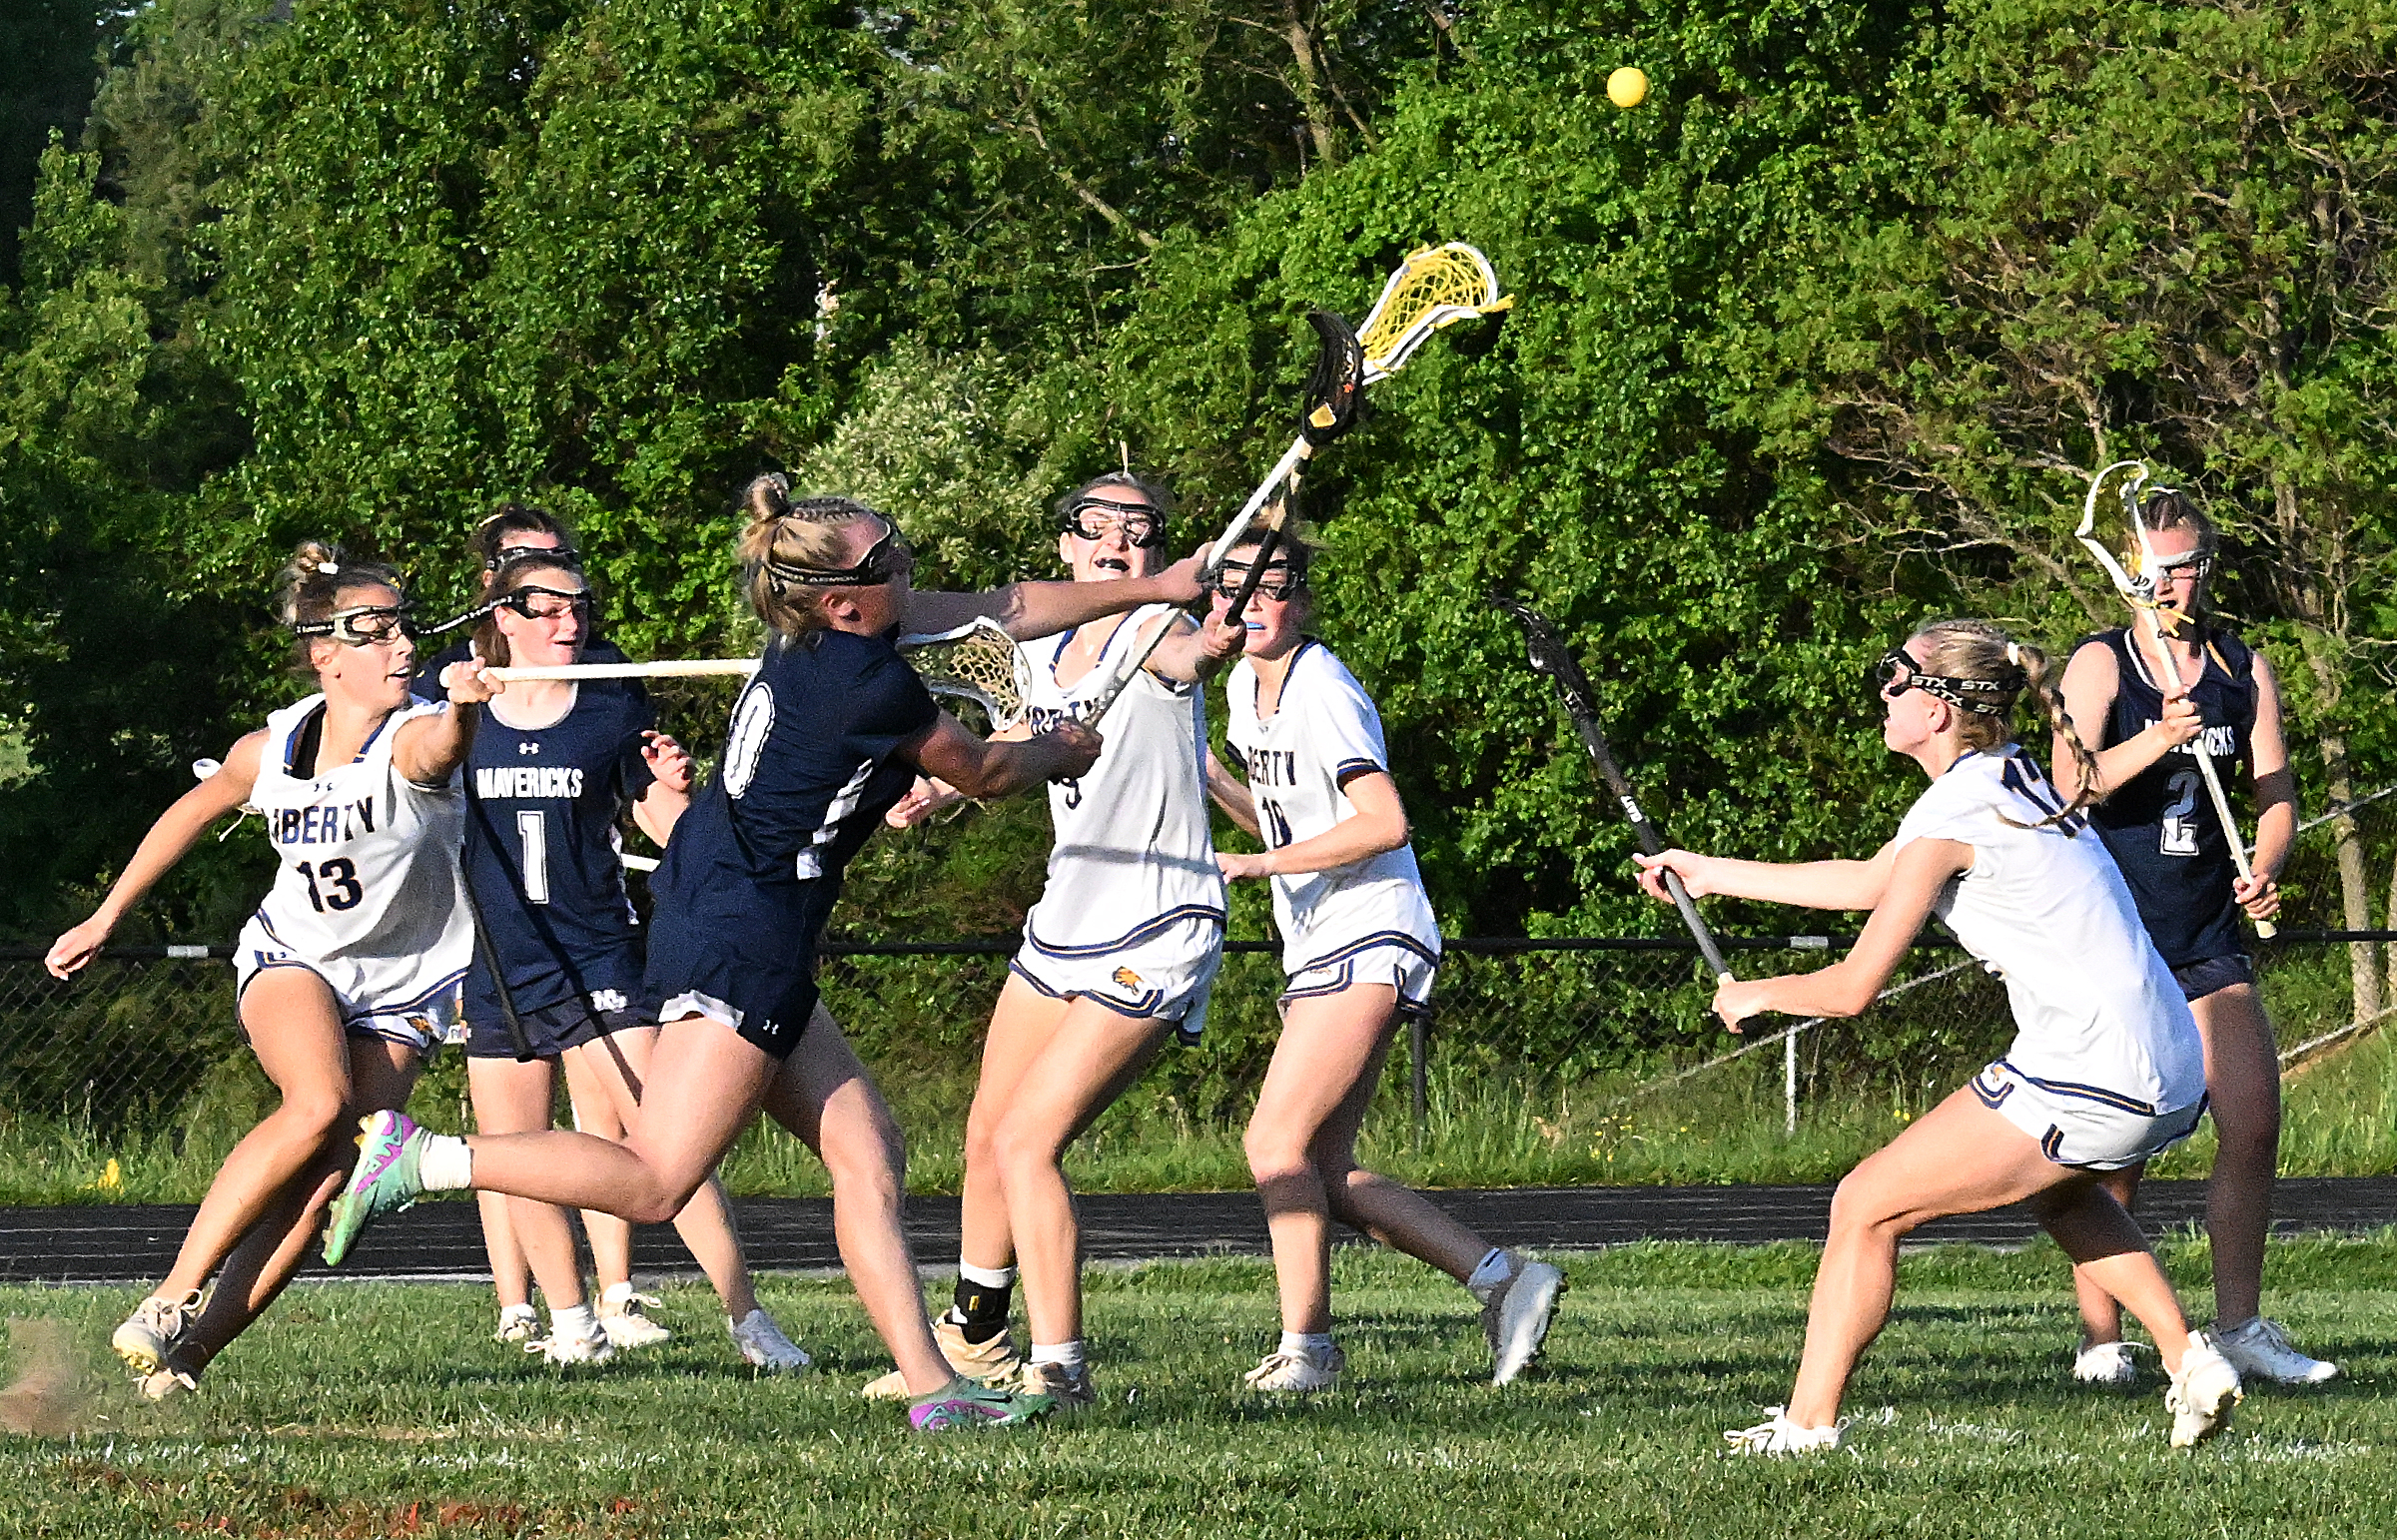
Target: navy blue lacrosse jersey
x=2161, y=825
x=811, y=764
x=542, y=855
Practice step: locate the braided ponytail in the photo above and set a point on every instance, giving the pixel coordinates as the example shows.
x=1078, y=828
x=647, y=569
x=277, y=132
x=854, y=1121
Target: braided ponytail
x=1976, y=649
x=792, y=531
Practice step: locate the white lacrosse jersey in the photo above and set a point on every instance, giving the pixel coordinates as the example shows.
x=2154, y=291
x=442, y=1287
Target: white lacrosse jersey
x=369, y=877
x=1324, y=731
x=2095, y=1008
x=1133, y=855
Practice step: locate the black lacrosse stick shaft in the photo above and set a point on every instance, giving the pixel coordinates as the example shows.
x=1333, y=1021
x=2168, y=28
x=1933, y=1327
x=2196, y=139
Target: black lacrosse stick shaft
x=1550, y=656
x=488, y=954
x=1256, y=570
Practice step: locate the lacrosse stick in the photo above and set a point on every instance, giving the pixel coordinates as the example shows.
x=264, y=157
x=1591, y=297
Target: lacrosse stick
x=1436, y=287
x=977, y=661
x=673, y=669
x=1550, y=656
x=2139, y=593
x=484, y=951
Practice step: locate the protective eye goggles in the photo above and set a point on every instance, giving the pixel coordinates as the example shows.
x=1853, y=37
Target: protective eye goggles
x=1094, y=519
x=1279, y=582
x=1981, y=697
x=536, y=603
x=361, y=625
x=2197, y=564
x=564, y=556
x=886, y=559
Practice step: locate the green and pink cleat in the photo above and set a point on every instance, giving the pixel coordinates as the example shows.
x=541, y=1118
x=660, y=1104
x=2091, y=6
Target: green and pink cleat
x=385, y=1180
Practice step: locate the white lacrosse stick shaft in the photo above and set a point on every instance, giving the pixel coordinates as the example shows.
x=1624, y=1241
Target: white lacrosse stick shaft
x=2140, y=592
x=682, y=669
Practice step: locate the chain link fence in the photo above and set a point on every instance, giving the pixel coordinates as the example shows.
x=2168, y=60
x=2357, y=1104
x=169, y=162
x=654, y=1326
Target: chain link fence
x=135, y=1041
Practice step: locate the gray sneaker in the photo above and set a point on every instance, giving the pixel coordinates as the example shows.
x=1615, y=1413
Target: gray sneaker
x=152, y=1331
x=2261, y=1350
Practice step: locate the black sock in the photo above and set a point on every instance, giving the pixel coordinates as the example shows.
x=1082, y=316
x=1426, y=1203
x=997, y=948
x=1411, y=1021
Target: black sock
x=984, y=1309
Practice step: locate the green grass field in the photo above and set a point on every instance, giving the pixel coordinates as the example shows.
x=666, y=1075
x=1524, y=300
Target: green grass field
x=370, y=1409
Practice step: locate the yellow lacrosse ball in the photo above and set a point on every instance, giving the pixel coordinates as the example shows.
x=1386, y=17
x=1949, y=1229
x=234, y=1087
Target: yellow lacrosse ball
x=1627, y=87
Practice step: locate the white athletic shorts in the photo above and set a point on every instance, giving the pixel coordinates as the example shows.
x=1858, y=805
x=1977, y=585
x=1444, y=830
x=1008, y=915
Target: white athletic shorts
x=1387, y=957
x=388, y=997
x=1157, y=972
x=2085, y=1125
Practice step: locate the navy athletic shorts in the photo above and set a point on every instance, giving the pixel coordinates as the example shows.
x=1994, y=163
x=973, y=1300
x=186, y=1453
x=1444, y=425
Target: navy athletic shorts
x=2209, y=974
x=550, y=1030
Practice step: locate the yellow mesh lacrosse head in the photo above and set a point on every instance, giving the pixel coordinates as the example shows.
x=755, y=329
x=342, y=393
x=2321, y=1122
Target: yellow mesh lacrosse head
x=978, y=662
x=1436, y=287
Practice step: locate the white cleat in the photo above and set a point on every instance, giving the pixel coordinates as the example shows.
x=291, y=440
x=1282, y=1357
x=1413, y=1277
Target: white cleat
x=561, y=1349
x=763, y=1345
x=2201, y=1394
x=1782, y=1436
x=2261, y=1350
x=624, y=1318
x=517, y=1323
x=166, y=1383
x=1296, y=1373
x=154, y=1331
x=2105, y=1363
x=1515, y=1316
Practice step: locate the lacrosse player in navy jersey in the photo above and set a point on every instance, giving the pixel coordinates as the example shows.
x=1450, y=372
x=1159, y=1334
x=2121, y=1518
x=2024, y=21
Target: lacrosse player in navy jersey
x=829, y=734
x=2156, y=818
x=2104, y=1070
x=1119, y=954
x=347, y=974
x=1360, y=945
x=561, y=764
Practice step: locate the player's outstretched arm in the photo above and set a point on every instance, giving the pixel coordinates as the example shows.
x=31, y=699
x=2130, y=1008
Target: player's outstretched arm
x=985, y=767
x=171, y=838
x=1377, y=824
x=1848, y=985
x=1194, y=652
x=1028, y=610
x=428, y=748
x=1807, y=883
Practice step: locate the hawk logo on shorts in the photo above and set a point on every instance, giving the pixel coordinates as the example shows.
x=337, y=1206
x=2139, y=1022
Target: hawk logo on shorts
x=1127, y=977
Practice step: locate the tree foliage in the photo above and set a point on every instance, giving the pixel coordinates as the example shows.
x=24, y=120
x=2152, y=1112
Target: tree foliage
x=1810, y=345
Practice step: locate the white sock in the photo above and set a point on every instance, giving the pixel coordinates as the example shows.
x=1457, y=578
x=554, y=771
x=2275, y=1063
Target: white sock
x=1066, y=1356
x=447, y=1165
x=987, y=1277
x=575, y=1322
x=616, y=1293
x=1316, y=1345
x=1496, y=1268
x=508, y=1312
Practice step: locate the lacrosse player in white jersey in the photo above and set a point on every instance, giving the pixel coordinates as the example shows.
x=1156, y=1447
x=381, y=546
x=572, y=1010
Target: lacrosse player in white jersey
x=1359, y=946
x=1117, y=954
x=348, y=972
x=2106, y=1069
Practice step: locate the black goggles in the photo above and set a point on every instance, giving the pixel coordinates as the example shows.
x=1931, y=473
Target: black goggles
x=1981, y=697
x=1279, y=582
x=887, y=559
x=534, y=602
x=564, y=556
x=361, y=625
x=1094, y=519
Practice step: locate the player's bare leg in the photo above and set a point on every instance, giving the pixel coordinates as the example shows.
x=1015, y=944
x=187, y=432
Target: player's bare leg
x=512, y=1098
x=1302, y=1148
x=1076, y=1072
x=258, y=1269
x=824, y=1095
x=2243, y=1075
x=1960, y=1157
x=605, y=1078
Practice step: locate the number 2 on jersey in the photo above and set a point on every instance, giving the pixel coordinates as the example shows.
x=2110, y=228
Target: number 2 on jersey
x=2176, y=832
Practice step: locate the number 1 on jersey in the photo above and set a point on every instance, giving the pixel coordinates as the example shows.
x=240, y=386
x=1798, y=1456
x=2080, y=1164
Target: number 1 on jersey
x=532, y=831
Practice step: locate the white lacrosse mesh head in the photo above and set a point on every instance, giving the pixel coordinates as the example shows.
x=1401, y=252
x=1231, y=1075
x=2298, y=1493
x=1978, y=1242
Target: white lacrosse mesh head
x=1436, y=287
x=978, y=662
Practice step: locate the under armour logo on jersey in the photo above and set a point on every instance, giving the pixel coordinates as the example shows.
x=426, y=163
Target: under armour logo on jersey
x=529, y=748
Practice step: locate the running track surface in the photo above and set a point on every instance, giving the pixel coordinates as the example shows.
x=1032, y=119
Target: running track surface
x=127, y=1244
